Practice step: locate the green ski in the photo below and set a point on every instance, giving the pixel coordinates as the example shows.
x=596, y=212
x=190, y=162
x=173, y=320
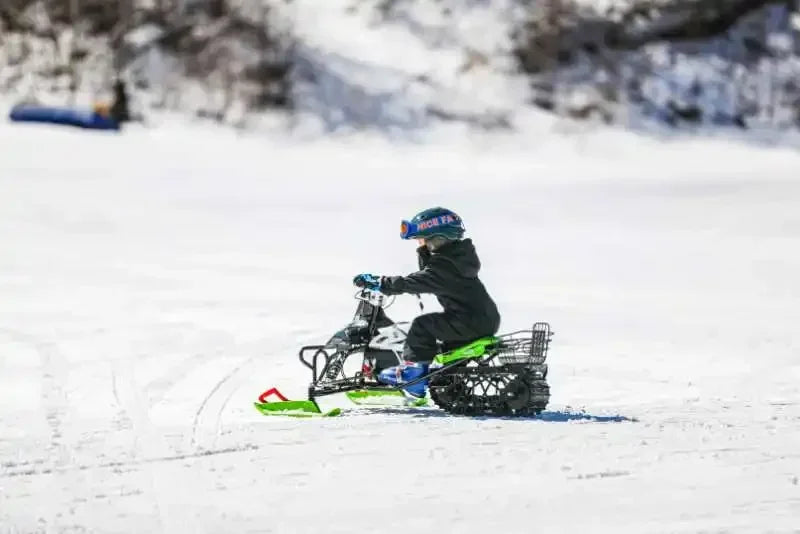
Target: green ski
x=378, y=397
x=302, y=408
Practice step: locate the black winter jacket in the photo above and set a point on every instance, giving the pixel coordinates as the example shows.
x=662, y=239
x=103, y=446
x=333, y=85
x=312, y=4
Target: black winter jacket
x=451, y=273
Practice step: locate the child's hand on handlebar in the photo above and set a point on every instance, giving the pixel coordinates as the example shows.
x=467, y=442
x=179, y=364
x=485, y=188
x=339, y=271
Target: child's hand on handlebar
x=368, y=281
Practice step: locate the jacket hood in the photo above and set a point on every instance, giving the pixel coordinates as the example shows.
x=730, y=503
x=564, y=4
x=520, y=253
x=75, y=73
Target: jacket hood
x=462, y=255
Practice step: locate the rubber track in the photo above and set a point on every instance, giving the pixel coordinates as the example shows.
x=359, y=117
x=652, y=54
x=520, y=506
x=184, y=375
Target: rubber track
x=466, y=391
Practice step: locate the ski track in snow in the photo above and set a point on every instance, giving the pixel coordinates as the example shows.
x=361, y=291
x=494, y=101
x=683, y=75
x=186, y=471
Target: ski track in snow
x=143, y=311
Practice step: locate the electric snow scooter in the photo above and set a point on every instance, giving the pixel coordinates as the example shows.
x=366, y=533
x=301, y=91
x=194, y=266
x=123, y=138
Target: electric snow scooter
x=503, y=375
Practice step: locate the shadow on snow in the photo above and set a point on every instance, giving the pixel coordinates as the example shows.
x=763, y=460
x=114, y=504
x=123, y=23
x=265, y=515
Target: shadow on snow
x=564, y=416
x=559, y=416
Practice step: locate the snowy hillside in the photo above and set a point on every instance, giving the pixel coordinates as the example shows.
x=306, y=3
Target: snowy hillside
x=406, y=66
x=394, y=66
x=680, y=63
x=409, y=64
x=144, y=309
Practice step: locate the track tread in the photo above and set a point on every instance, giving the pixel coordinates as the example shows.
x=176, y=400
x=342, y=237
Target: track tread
x=474, y=391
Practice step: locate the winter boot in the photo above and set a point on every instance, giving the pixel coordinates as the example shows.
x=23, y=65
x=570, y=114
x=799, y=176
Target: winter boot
x=400, y=374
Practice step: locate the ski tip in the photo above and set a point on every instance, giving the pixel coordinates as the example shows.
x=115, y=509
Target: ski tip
x=271, y=392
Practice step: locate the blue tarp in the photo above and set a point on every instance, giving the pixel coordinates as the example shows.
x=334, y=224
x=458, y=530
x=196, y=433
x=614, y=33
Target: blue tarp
x=65, y=116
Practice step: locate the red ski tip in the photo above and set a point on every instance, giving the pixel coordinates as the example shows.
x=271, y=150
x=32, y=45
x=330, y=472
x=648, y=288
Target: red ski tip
x=271, y=391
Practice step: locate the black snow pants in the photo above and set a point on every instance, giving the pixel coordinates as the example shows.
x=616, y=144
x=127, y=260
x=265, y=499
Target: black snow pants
x=429, y=329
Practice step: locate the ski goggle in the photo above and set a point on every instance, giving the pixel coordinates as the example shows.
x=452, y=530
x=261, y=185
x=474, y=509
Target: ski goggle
x=410, y=230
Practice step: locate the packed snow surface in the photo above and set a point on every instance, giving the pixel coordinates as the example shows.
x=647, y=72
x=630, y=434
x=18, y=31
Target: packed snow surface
x=153, y=283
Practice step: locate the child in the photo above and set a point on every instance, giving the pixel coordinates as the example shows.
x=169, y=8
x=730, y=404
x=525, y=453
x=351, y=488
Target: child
x=449, y=269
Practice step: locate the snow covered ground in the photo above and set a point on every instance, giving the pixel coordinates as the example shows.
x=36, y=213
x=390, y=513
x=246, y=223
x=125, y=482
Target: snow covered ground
x=152, y=284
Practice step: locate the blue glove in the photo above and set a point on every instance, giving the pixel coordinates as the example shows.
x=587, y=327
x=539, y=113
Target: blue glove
x=369, y=281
